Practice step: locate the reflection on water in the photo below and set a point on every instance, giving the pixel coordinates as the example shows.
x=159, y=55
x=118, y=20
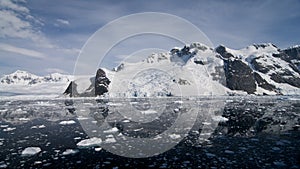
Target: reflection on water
x=207, y=132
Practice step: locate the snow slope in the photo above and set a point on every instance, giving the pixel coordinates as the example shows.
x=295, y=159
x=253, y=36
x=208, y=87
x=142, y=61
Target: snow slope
x=177, y=73
x=25, y=83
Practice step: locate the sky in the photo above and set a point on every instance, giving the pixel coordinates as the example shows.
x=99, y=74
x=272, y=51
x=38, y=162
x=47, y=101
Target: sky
x=46, y=36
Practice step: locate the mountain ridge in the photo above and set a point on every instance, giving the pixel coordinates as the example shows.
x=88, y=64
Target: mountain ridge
x=196, y=69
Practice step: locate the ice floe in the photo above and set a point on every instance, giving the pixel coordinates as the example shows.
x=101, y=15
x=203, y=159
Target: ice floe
x=69, y=151
x=67, y=122
x=29, y=151
x=94, y=141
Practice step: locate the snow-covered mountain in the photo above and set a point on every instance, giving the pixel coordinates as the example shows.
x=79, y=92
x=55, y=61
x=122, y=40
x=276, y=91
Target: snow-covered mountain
x=20, y=77
x=23, y=82
x=262, y=69
x=197, y=69
x=192, y=70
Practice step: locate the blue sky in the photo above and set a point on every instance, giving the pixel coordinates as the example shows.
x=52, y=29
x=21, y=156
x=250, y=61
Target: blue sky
x=44, y=36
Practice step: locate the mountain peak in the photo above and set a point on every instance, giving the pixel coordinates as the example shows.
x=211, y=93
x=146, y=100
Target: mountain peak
x=21, y=77
x=264, y=45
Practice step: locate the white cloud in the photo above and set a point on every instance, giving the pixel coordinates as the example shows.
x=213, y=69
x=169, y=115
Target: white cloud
x=7, y=4
x=16, y=22
x=12, y=26
x=63, y=21
x=22, y=51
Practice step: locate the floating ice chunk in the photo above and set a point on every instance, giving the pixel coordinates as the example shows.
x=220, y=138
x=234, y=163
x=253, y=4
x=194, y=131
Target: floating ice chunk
x=94, y=141
x=174, y=136
x=110, y=139
x=9, y=129
x=219, y=118
x=41, y=126
x=206, y=123
x=1, y=143
x=126, y=121
x=69, y=151
x=139, y=129
x=98, y=149
x=157, y=137
x=38, y=127
x=29, y=151
x=67, y=122
x=149, y=112
x=3, y=166
x=112, y=130
x=3, y=110
x=178, y=101
x=37, y=162
x=24, y=119
x=82, y=118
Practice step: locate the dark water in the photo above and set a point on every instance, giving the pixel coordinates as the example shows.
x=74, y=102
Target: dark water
x=234, y=132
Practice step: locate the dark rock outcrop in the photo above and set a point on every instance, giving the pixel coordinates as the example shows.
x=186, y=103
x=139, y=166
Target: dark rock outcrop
x=286, y=77
x=260, y=67
x=263, y=83
x=222, y=51
x=71, y=89
x=101, y=83
x=239, y=76
x=99, y=86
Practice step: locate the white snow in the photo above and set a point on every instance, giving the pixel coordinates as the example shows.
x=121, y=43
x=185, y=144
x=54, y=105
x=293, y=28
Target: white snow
x=22, y=83
x=29, y=151
x=112, y=130
x=69, y=151
x=98, y=149
x=126, y=121
x=94, y=141
x=9, y=129
x=38, y=127
x=219, y=118
x=174, y=136
x=110, y=139
x=24, y=119
x=165, y=73
x=3, y=165
x=67, y=122
x=148, y=112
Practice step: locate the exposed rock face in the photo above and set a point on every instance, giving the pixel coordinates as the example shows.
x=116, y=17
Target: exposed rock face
x=101, y=83
x=260, y=67
x=71, y=89
x=222, y=51
x=246, y=69
x=239, y=76
x=286, y=77
x=98, y=86
x=263, y=83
